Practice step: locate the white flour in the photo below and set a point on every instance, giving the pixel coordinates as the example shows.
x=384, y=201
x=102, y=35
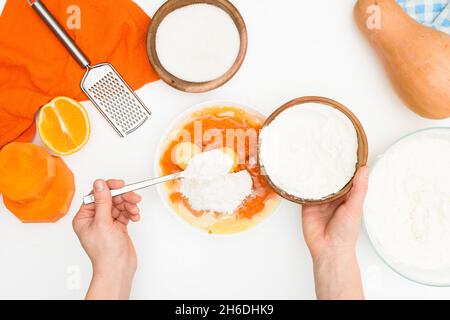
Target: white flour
x=209, y=186
x=310, y=150
x=197, y=43
x=208, y=165
x=407, y=211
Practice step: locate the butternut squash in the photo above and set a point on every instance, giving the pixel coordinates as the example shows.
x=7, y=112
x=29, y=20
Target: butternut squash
x=416, y=57
x=26, y=171
x=54, y=205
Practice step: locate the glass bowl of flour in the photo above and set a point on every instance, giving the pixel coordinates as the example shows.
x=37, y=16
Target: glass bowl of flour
x=238, y=199
x=407, y=209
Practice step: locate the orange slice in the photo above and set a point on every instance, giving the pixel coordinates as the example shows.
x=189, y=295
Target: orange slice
x=64, y=126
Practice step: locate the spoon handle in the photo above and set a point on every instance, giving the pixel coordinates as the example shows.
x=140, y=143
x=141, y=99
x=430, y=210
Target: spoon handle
x=136, y=186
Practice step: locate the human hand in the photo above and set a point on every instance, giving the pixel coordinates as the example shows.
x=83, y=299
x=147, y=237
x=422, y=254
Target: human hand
x=334, y=227
x=102, y=230
x=331, y=231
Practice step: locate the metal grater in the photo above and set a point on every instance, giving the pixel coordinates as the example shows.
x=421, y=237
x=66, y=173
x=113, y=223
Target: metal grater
x=102, y=84
x=114, y=98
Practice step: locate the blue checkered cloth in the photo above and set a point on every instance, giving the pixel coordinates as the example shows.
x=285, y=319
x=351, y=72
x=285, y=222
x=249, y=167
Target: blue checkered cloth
x=433, y=13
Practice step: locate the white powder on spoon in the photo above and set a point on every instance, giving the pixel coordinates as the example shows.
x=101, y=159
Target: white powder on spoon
x=197, y=43
x=209, y=186
x=310, y=150
x=407, y=210
x=207, y=166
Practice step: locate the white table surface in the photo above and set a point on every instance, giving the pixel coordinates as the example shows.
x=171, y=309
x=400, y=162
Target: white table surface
x=296, y=48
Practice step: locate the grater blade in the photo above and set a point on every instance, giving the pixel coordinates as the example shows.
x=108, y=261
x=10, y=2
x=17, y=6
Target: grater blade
x=114, y=98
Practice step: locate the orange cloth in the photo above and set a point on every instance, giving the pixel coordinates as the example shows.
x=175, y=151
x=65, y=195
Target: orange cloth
x=35, y=67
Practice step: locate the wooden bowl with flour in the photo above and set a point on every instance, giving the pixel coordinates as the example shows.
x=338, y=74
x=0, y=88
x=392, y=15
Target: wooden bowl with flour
x=188, y=85
x=362, y=148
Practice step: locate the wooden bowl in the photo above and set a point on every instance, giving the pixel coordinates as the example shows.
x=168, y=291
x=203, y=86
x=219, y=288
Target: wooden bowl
x=362, y=148
x=188, y=86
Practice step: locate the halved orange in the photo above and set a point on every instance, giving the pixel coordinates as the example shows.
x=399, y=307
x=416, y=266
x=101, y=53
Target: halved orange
x=63, y=125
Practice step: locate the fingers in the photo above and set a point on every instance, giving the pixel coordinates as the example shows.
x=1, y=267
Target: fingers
x=130, y=200
x=130, y=197
x=135, y=218
x=128, y=203
x=130, y=212
x=355, y=201
x=115, y=212
x=89, y=210
x=103, y=201
x=125, y=216
x=123, y=219
x=115, y=183
x=127, y=210
x=122, y=208
x=131, y=208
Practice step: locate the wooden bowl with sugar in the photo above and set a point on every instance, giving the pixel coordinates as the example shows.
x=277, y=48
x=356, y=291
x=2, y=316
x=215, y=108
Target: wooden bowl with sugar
x=362, y=151
x=189, y=86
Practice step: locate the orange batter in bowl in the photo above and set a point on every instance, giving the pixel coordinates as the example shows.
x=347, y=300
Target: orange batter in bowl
x=218, y=127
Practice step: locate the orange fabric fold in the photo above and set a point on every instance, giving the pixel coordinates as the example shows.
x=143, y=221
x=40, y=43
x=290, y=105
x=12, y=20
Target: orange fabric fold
x=35, y=67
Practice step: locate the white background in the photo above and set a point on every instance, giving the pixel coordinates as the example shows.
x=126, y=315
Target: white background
x=296, y=48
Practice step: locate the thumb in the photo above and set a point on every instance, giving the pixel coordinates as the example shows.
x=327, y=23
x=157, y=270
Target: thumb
x=357, y=195
x=103, y=201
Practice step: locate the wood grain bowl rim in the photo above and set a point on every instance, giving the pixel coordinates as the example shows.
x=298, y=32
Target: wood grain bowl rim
x=188, y=86
x=362, y=153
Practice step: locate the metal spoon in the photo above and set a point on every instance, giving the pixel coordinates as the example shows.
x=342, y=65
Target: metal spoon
x=137, y=186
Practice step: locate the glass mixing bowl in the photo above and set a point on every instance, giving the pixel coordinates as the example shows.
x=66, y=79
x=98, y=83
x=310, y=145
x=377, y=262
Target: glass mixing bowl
x=432, y=277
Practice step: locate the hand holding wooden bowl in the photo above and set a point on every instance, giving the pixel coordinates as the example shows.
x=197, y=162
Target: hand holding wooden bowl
x=361, y=157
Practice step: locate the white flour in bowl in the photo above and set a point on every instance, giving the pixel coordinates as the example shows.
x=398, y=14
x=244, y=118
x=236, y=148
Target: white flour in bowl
x=209, y=186
x=310, y=150
x=197, y=43
x=407, y=210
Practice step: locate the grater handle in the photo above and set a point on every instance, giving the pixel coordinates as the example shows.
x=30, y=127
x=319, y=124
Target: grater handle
x=136, y=186
x=60, y=33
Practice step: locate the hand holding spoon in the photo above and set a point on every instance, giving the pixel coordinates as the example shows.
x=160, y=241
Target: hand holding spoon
x=137, y=186
x=198, y=163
